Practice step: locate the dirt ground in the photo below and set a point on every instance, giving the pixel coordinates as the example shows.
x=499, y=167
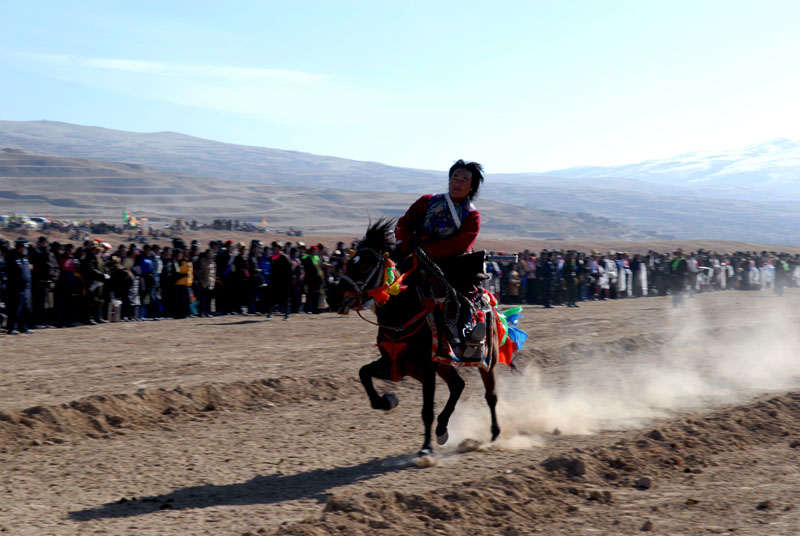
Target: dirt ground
x=627, y=416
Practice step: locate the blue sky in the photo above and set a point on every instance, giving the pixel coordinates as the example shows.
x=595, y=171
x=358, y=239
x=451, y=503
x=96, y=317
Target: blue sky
x=518, y=86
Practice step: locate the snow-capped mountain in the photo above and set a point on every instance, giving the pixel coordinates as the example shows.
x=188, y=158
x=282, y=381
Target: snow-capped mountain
x=752, y=194
x=768, y=170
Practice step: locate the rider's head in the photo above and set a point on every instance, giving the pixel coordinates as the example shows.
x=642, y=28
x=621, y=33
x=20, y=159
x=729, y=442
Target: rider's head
x=474, y=172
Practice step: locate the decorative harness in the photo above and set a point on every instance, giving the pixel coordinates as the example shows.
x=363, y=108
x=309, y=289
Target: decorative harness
x=388, y=282
x=361, y=287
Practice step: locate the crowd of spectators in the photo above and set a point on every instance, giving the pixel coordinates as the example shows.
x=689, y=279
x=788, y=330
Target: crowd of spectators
x=50, y=284
x=568, y=277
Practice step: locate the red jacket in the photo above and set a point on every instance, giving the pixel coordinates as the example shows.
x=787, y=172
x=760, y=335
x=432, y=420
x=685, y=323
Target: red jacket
x=410, y=228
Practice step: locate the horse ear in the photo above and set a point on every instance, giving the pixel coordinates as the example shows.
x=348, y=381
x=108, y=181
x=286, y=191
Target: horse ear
x=351, y=253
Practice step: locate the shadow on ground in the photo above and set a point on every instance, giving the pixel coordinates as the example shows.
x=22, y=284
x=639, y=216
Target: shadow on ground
x=238, y=323
x=269, y=489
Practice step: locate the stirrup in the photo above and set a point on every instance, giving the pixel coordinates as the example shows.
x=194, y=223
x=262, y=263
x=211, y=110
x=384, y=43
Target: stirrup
x=472, y=350
x=477, y=333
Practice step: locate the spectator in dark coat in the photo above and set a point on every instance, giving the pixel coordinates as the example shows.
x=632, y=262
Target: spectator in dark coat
x=94, y=278
x=679, y=272
x=167, y=281
x=19, y=280
x=280, y=282
x=45, y=274
x=313, y=280
x=68, y=289
x=120, y=283
x=545, y=274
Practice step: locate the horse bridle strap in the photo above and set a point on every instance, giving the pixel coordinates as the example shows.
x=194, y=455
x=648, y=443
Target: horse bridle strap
x=362, y=287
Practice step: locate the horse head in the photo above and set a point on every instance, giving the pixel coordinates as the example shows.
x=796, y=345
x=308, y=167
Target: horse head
x=364, y=269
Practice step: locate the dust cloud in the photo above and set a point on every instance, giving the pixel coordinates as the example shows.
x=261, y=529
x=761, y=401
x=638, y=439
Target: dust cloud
x=702, y=363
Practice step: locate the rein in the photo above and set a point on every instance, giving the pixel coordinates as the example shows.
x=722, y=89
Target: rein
x=392, y=285
x=399, y=329
x=427, y=307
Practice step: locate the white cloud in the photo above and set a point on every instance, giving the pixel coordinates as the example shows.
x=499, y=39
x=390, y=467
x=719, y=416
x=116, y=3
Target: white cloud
x=285, y=96
x=176, y=70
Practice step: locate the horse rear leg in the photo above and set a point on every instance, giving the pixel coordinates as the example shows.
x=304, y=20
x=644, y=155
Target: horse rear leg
x=488, y=377
x=490, y=388
x=377, y=369
x=456, y=385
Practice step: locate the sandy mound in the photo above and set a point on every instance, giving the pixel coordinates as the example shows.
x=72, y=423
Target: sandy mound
x=101, y=416
x=564, y=483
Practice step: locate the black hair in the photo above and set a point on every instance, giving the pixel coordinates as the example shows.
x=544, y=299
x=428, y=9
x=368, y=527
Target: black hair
x=477, y=175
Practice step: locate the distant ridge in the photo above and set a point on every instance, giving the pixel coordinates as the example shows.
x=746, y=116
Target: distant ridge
x=175, y=152
x=70, y=187
x=765, y=171
x=746, y=195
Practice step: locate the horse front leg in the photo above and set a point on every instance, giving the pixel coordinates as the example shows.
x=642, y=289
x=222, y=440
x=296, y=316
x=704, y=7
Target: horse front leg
x=377, y=369
x=455, y=384
x=428, y=392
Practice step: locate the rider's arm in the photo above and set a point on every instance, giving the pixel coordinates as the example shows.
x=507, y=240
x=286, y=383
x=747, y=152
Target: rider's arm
x=407, y=226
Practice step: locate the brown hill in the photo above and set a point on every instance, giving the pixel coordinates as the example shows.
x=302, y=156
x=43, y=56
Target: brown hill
x=180, y=153
x=670, y=208
x=64, y=187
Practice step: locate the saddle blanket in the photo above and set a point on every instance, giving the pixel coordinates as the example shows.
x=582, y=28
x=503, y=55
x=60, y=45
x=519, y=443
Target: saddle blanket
x=442, y=350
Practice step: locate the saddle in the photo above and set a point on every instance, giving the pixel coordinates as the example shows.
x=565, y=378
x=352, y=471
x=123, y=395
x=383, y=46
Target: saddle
x=464, y=271
x=462, y=315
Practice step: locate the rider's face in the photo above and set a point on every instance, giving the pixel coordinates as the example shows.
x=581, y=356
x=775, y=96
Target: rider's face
x=460, y=184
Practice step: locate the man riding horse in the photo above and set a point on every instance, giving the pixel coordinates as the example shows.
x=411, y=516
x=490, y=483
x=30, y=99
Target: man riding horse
x=446, y=226
x=411, y=306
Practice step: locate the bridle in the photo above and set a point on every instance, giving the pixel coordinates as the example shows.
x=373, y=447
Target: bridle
x=362, y=287
x=373, y=289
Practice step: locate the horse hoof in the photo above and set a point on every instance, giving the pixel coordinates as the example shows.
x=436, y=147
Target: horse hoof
x=495, y=433
x=390, y=401
x=442, y=438
x=425, y=451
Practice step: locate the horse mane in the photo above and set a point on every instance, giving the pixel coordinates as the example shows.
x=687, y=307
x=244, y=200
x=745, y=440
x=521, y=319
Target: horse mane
x=379, y=236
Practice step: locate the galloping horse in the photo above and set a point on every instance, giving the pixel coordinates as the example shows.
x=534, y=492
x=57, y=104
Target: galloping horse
x=404, y=336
